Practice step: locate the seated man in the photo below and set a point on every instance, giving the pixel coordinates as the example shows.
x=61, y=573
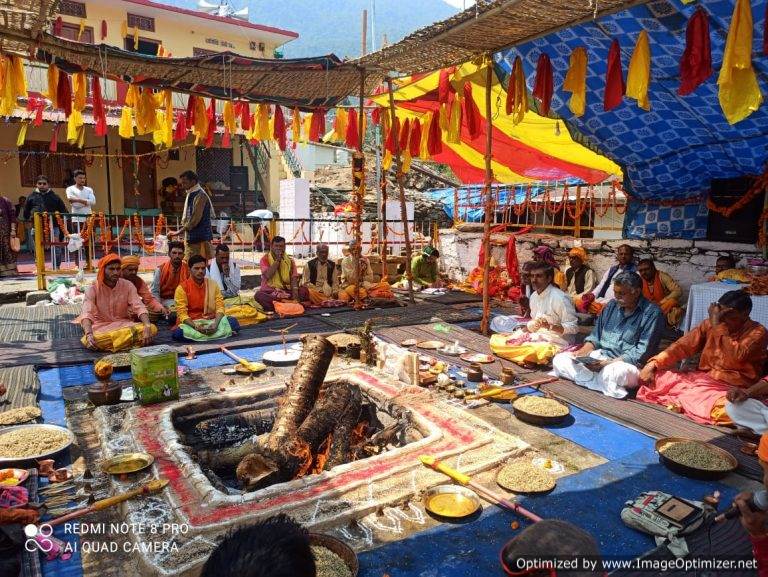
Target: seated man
x=626, y=333
x=498, y=281
x=603, y=293
x=424, y=269
x=724, y=263
x=169, y=274
x=130, y=272
x=552, y=327
x=321, y=277
x=660, y=288
x=369, y=288
x=580, y=278
x=200, y=307
x=279, y=277
x=110, y=307
x=226, y=274
x=733, y=350
x=545, y=254
x=726, y=269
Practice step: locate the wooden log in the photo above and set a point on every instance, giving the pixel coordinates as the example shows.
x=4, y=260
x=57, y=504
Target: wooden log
x=341, y=449
x=303, y=388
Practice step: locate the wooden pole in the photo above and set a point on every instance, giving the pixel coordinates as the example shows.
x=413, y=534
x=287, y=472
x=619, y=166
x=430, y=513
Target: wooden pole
x=383, y=240
x=399, y=177
x=484, y=323
x=360, y=189
x=364, y=42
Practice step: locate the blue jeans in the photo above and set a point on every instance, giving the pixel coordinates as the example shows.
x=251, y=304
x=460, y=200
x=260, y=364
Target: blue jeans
x=178, y=334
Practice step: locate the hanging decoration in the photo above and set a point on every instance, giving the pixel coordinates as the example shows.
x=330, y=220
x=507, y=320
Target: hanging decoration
x=517, y=93
x=317, y=127
x=64, y=93
x=181, y=131
x=614, y=78
x=543, y=87
x=103, y=30
x=99, y=115
x=80, y=91
x=639, y=73
x=424, y=137
x=211, y=121
x=279, y=129
x=445, y=88
x=454, y=122
x=740, y=93
x=471, y=112
x=352, y=137
x=435, y=140
x=228, y=117
x=340, y=122
x=22, y=136
x=696, y=63
x=53, y=146
x=295, y=127
x=58, y=25
x=576, y=81
x=14, y=83
x=36, y=106
x=414, y=139
x=53, y=85
x=80, y=30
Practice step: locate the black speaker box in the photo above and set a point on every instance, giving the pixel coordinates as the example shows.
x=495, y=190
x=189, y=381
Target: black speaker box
x=741, y=227
x=238, y=178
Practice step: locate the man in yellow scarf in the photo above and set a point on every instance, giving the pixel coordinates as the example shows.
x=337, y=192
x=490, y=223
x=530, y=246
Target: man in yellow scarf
x=279, y=277
x=368, y=285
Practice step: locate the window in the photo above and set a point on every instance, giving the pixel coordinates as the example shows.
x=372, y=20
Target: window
x=72, y=31
x=141, y=22
x=56, y=167
x=202, y=52
x=148, y=47
x=71, y=8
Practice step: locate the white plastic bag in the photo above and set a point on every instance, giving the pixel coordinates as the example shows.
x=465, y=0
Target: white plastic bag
x=161, y=244
x=75, y=242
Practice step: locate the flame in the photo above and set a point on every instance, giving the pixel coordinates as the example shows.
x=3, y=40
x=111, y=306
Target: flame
x=322, y=454
x=301, y=451
x=358, y=433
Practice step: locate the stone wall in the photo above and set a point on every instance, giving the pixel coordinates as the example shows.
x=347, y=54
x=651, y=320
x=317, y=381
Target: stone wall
x=688, y=261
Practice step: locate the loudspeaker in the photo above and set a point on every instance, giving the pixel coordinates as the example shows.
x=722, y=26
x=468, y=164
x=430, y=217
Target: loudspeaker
x=742, y=226
x=238, y=178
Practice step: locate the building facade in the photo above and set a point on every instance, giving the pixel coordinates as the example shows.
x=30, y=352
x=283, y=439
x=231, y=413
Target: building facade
x=240, y=177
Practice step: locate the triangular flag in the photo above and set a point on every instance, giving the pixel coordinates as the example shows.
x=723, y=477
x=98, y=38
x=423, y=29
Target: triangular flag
x=576, y=81
x=614, y=78
x=639, y=73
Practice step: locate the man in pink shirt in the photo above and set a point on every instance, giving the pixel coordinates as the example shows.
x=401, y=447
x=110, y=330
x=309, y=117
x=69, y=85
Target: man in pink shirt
x=279, y=277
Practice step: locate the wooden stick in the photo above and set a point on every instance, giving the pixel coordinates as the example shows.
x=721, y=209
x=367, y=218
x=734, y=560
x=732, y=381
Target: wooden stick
x=485, y=321
x=498, y=390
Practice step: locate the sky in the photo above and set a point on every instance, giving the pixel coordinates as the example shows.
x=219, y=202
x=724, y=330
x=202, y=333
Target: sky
x=460, y=4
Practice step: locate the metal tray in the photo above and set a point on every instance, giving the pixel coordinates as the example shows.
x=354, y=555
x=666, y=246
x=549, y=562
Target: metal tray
x=5, y=430
x=126, y=463
x=688, y=471
x=532, y=419
x=466, y=501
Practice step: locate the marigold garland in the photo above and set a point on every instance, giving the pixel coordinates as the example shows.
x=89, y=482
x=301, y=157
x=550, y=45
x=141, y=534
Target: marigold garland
x=62, y=223
x=160, y=225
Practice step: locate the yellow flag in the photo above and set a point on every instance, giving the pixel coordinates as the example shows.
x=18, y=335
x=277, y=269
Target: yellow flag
x=228, y=115
x=576, y=81
x=423, y=148
x=53, y=84
x=126, y=122
x=79, y=91
x=340, y=125
x=146, y=117
x=305, y=127
x=132, y=96
x=135, y=38
x=262, y=123
x=200, y=129
x=740, y=93
x=8, y=95
x=22, y=134
x=296, y=126
x=386, y=162
x=19, y=77
x=124, y=29
x=454, y=125
x=406, y=160
x=81, y=137
x=74, y=122
x=81, y=30
x=639, y=73
x=167, y=119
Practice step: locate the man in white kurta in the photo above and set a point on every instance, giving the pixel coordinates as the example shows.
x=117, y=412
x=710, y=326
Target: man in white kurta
x=553, y=325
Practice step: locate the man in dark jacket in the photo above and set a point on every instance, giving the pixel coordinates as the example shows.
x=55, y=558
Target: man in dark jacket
x=43, y=199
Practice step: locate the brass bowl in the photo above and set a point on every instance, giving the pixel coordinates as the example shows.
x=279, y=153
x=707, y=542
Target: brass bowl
x=126, y=463
x=338, y=547
x=694, y=472
x=451, y=501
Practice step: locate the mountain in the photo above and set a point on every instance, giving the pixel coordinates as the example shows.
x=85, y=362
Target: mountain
x=326, y=26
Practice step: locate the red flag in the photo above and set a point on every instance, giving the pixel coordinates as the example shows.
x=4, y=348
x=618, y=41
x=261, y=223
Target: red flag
x=99, y=115
x=542, y=89
x=415, y=138
x=191, y=110
x=58, y=24
x=181, y=128
x=696, y=63
x=64, y=93
x=376, y=116
x=103, y=29
x=279, y=130
x=405, y=133
x=54, y=145
x=317, y=128
x=36, y=105
x=352, y=137
x=226, y=140
x=435, y=139
x=471, y=112
x=211, y=114
x=444, y=86
x=392, y=133
x=614, y=78
x=245, y=115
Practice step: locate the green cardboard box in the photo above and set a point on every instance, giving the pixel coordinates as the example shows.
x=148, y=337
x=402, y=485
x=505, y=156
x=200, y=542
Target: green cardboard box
x=155, y=374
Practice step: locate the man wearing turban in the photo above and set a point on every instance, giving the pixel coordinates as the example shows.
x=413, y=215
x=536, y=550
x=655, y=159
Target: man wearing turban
x=546, y=255
x=130, y=272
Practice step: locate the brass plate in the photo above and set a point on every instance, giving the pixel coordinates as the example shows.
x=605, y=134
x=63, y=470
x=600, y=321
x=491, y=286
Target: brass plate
x=451, y=501
x=478, y=358
x=125, y=463
x=431, y=345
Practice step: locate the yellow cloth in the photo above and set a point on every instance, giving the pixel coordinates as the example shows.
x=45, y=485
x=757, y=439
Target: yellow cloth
x=740, y=93
x=79, y=91
x=576, y=81
x=200, y=128
x=347, y=294
x=53, y=83
x=126, y=122
x=306, y=124
x=386, y=162
x=74, y=125
x=718, y=414
x=281, y=280
x=146, y=118
x=424, y=142
x=537, y=353
x=454, y=124
x=520, y=103
x=262, y=123
x=340, y=125
x=246, y=310
x=119, y=339
x=228, y=115
x=22, y=136
x=296, y=126
x=316, y=297
x=132, y=96
x=639, y=73
x=407, y=159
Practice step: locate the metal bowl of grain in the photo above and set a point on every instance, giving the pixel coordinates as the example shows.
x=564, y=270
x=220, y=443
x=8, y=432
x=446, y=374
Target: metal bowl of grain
x=695, y=459
x=523, y=477
x=537, y=410
x=32, y=442
x=333, y=558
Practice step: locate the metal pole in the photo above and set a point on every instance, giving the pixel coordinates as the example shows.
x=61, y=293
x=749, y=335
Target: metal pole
x=399, y=172
x=109, y=180
x=484, y=323
x=364, y=43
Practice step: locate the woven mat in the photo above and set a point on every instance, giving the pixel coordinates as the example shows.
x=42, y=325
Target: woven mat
x=654, y=420
x=30, y=562
x=69, y=351
x=411, y=315
x=23, y=387
x=38, y=323
x=453, y=298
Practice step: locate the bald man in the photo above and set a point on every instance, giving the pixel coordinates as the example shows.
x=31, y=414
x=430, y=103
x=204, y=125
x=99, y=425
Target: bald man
x=321, y=276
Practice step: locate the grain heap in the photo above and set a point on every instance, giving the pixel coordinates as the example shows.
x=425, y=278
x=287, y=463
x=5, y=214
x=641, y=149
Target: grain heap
x=18, y=416
x=24, y=443
x=329, y=564
x=695, y=455
x=524, y=477
x=540, y=406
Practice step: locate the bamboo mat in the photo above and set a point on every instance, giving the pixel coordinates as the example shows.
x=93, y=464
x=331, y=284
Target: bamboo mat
x=23, y=387
x=38, y=323
x=410, y=315
x=653, y=420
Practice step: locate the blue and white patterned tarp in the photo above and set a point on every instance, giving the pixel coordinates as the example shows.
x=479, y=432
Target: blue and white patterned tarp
x=446, y=197
x=674, y=150
x=654, y=221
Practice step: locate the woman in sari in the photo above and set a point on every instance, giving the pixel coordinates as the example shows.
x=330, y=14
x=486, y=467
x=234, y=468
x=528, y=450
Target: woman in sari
x=9, y=242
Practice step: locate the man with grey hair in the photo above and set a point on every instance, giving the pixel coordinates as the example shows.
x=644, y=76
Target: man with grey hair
x=626, y=334
x=321, y=276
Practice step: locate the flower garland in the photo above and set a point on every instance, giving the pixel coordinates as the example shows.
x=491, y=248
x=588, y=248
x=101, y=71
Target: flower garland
x=581, y=205
x=62, y=223
x=160, y=225
x=86, y=231
x=138, y=235
x=46, y=229
x=105, y=233
x=559, y=206
x=762, y=237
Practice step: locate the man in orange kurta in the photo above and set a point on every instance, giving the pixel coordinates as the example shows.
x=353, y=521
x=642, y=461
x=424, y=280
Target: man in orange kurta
x=660, y=288
x=110, y=307
x=733, y=352
x=130, y=272
x=169, y=274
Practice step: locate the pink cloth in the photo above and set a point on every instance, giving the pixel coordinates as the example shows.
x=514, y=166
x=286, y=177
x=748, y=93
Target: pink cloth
x=696, y=393
x=112, y=308
x=264, y=266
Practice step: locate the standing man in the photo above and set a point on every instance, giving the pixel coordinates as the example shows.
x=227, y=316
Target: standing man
x=225, y=273
x=321, y=277
x=279, y=277
x=43, y=199
x=196, y=218
x=626, y=334
x=170, y=274
x=603, y=293
x=80, y=197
